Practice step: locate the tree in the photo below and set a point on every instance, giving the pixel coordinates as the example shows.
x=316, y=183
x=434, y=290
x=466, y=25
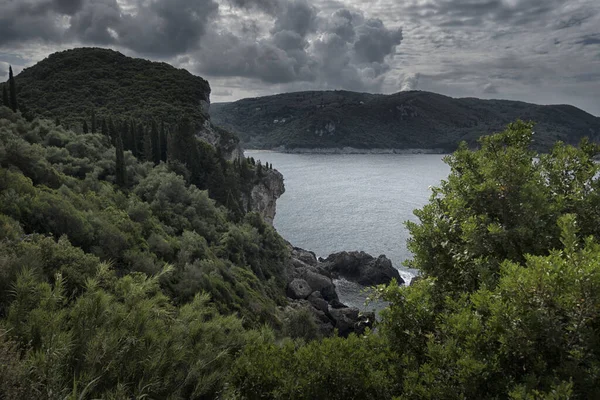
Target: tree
x=94, y=121
x=534, y=336
x=104, y=128
x=163, y=142
x=501, y=202
x=120, y=171
x=140, y=135
x=5, y=100
x=112, y=131
x=13, y=90
x=147, y=148
x=85, y=127
x=156, y=145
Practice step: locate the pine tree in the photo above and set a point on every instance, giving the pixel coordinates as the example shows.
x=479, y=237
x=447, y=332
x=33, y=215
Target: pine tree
x=93, y=121
x=85, y=127
x=13, y=90
x=5, y=100
x=120, y=172
x=155, y=135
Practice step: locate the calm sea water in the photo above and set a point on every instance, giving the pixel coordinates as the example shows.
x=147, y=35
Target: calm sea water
x=353, y=202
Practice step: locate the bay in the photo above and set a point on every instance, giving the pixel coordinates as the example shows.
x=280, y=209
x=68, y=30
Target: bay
x=337, y=202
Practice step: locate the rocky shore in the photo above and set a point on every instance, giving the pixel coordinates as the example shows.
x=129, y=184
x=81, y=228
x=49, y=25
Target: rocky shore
x=310, y=287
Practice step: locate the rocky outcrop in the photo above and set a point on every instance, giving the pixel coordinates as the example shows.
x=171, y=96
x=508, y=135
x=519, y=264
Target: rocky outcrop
x=264, y=195
x=311, y=287
x=361, y=268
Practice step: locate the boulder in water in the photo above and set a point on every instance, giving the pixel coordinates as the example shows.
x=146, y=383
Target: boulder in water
x=361, y=268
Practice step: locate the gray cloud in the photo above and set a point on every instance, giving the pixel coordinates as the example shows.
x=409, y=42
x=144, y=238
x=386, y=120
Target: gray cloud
x=454, y=13
x=593, y=39
x=3, y=71
x=410, y=82
x=159, y=27
x=222, y=93
x=535, y=50
x=490, y=88
x=340, y=50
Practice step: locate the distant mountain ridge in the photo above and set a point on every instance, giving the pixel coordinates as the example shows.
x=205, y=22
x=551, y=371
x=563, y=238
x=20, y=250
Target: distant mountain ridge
x=405, y=120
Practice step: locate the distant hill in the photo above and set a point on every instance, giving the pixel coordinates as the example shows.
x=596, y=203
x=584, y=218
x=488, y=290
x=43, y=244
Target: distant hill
x=70, y=84
x=405, y=120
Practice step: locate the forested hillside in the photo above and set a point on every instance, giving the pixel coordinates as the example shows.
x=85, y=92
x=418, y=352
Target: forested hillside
x=405, y=120
x=151, y=290
x=85, y=84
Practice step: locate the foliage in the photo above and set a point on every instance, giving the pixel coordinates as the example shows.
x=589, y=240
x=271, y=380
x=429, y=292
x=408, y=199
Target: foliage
x=149, y=288
x=334, y=368
x=535, y=335
x=405, y=120
x=502, y=202
x=70, y=83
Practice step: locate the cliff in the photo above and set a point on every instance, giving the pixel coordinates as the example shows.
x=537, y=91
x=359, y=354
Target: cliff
x=264, y=194
x=342, y=121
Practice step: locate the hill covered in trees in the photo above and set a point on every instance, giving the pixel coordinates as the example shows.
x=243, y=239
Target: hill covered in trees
x=405, y=120
x=74, y=84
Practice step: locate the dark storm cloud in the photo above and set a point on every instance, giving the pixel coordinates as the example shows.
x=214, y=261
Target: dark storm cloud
x=296, y=16
x=375, y=42
x=341, y=50
x=158, y=27
x=21, y=21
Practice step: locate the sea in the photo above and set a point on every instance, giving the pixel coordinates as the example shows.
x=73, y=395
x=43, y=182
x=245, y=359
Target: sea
x=337, y=202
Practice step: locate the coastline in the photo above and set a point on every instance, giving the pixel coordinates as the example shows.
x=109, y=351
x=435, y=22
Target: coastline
x=350, y=150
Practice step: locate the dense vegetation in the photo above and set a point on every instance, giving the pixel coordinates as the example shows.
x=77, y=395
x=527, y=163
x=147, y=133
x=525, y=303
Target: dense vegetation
x=405, y=120
x=129, y=268
x=151, y=290
x=69, y=84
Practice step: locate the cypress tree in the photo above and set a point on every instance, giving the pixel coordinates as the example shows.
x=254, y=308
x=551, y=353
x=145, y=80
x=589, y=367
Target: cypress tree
x=139, y=137
x=104, y=129
x=13, y=90
x=156, y=152
x=163, y=142
x=134, y=141
x=93, y=121
x=5, y=99
x=148, y=154
x=112, y=131
x=121, y=175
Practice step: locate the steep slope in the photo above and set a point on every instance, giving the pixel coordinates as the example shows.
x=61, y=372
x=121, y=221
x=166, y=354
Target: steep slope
x=405, y=120
x=70, y=84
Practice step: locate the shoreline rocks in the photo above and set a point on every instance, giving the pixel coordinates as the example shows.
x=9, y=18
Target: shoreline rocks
x=311, y=287
x=361, y=268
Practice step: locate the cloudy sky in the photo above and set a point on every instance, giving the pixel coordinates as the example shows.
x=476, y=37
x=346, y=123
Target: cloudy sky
x=542, y=51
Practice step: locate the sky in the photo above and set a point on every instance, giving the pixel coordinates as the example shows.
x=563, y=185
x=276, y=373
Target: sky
x=540, y=51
